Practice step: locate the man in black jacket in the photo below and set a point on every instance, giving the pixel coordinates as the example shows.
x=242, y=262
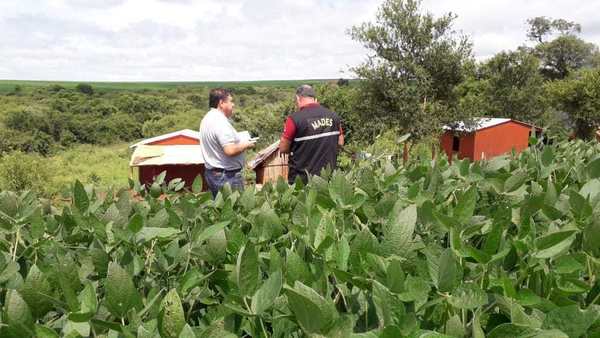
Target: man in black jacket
x=311, y=136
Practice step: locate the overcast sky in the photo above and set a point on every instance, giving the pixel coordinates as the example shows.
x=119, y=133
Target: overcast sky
x=226, y=40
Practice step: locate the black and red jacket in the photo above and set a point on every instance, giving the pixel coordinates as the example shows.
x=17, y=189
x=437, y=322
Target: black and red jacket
x=313, y=132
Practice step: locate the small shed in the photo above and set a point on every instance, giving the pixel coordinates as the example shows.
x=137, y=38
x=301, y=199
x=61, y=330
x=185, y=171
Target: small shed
x=177, y=153
x=486, y=138
x=269, y=165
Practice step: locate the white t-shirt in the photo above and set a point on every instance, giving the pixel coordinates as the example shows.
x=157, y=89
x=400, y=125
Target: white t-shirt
x=215, y=132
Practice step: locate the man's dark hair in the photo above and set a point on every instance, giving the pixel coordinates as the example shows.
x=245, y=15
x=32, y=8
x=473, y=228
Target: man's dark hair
x=216, y=95
x=305, y=91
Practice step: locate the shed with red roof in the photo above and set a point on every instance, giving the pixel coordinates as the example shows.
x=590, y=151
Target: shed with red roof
x=178, y=153
x=486, y=138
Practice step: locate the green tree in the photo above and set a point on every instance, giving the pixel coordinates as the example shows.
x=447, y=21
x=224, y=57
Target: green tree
x=566, y=52
x=541, y=26
x=415, y=61
x=579, y=97
x=507, y=85
x=345, y=101
x=564, y=55
x=85, y=88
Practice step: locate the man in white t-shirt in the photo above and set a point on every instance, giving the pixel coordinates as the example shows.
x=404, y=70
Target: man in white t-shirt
x=222, y=149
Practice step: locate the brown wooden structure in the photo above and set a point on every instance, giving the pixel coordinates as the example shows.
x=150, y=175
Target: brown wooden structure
x=269, y=165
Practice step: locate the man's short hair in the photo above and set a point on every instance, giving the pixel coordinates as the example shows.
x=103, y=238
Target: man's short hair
x=306, y=91
x=216, y=95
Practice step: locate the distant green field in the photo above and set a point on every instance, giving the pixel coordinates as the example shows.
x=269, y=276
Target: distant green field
x=7, y=86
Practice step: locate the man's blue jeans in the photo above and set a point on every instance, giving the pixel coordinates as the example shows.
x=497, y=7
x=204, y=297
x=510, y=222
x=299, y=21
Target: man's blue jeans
x=216, y=179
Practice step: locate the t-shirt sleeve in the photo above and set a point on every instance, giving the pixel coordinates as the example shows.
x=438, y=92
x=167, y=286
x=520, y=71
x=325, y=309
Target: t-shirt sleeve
x=227, y=136
x=289, y=129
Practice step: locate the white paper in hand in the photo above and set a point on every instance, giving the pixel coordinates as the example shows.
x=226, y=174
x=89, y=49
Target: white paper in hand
x=243, y=135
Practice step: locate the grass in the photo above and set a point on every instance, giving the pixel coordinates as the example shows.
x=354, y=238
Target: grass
x=103, y=165
x=7, y=86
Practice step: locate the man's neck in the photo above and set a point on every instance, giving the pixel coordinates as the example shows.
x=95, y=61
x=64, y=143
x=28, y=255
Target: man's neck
x=221, y=112
x=306, y=104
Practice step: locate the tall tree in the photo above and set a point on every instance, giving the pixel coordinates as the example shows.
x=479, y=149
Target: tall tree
x=566, y=52
x=541, y=26
x=415, y=61
x=579, y=97
x=507, y=85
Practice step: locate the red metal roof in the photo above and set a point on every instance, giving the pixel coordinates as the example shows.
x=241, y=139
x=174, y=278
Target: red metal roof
x=484, y=123
x=184, y=132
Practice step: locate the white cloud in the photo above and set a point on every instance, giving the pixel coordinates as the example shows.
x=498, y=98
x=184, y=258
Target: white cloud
x=496, y=25
x=198, y=40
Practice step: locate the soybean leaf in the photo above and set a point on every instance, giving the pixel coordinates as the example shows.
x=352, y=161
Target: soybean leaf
x=88, y=305
x=120, y=292
x=247, y=270
x=591, y=237
x=340, y=190
x=507, y=330
x=593, y=168
x=16, y=310
x=395, y=276
x=147, y=234
x=136, y=223
x=197, y=185
x=171, y=318
x=313, y=313
x=187, y=332
x=466, y=205
x=266, y=294
x=547, y=156
x=210, y=231
x=296, y=268
x=476, y=330
x=447, y=271
x=9, y=272
x=389, y=309
x=551, y=245
x=80, y=196
x=398, y=234
x=35, y=285
x=590, y=189
x=571, y=320
x=45, y=332
x=467, y=297
x=515, y=181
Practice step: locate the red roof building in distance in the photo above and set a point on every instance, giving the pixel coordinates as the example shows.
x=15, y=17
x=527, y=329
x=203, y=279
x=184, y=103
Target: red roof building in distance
x=486, y=138
x=178, y=153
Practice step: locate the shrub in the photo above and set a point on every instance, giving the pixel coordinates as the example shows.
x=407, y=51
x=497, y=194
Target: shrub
x=20, y=171
x=85, y=88
x=153, y=128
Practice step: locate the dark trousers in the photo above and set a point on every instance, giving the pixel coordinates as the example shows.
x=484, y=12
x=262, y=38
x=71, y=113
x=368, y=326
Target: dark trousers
x=293, y=173
x=217, y=178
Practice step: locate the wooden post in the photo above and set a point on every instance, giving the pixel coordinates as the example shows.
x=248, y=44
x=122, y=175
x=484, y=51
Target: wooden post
x=405, y=154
